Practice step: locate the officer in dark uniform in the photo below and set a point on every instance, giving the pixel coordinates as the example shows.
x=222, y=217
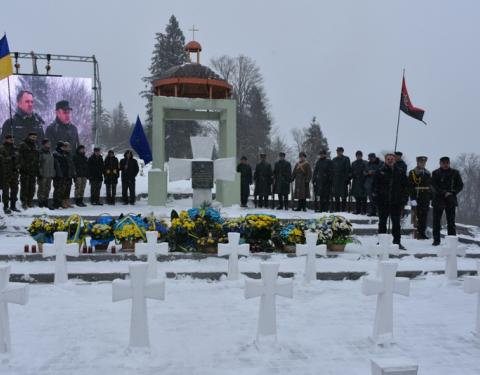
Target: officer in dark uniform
x=62, y=128
x=24, y=121
x=246, y=179
x=263, y=177
x=282, y=175
x=9, y=161
x=341, y=174
x=420, y=180
x=322, y=182
x=446, y=184
x=29, y=169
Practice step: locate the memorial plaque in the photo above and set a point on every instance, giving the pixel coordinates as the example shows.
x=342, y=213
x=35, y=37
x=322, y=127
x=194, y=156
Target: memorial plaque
x=202, y=174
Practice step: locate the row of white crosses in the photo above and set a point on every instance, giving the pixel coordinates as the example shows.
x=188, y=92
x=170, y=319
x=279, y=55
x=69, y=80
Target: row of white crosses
x=144, y=284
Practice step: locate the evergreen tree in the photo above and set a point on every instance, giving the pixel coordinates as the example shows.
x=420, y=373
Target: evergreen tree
x=169, y=51
x=121, y=129
x=314, y=141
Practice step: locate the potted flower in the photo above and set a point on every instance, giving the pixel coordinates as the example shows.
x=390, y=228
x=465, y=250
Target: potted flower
x=337, y=232
x=289, y=236
x=41, y=229
x=259, y=231
x=101, y=232
x=129, y=230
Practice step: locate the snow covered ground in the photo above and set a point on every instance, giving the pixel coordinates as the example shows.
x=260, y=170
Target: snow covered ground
x=208, y=328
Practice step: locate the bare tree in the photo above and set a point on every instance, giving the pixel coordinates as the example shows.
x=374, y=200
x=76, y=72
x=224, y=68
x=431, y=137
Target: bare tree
x=299, y=138
x=469, y=199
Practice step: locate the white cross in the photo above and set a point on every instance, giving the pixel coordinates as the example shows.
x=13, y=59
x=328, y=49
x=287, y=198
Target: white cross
x=138, y=289
x=60, y=249
x=202, y=150
x=152, y=248
x=450, y=251
x=9, y=293
x=384, y=249
x=472, y=285
x=311, y=249
x=267, y=289
x=384, y=287
x=233, y=249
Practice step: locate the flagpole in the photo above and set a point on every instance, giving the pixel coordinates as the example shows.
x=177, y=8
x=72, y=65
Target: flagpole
x=398, y=118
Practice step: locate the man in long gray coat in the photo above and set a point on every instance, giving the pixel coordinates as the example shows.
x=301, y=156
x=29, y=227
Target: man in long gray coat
x=341, y=173
x=282, y=175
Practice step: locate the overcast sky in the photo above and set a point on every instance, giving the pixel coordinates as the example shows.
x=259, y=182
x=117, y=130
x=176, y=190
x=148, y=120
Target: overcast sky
x=340, y=61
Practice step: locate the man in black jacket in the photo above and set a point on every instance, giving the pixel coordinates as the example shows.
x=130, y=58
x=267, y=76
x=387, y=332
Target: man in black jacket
x=446, y=184
x=282, y=176
x=81, y=175
x=322, y=182
x=95, y=174
x=62, y=174
x=263, y=177
x=245, y=180
x=129, y=169
x=390, y=189
x=111, y=173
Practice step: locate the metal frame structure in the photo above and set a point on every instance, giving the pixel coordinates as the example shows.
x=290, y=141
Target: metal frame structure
x=97, y=86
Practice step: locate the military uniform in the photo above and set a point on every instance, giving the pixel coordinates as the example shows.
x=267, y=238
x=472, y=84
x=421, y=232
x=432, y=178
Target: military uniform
x=246, y=180
x=282, y=176
x=9, y=162
x=322, y=183
x=57, y=131
x=341, y=172
x=446, y=184
x=21, y=125
x=95, y=173
x=80, y=162
x=29, y=170
x=420, y=180
x=60, y=181
x=263, y=176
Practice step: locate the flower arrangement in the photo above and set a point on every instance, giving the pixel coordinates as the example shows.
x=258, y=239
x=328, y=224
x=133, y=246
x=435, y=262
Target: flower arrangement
x=159, y=225
x=259, y=231
x=196, y=229
x=129, y=228
x=292, y=233
x=42, y=229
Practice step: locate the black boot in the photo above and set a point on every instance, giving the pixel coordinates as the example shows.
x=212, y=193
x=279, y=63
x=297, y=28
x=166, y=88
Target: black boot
x=6, y=209
x=13, y=207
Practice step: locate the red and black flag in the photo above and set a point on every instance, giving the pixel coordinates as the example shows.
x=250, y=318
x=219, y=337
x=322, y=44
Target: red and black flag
x=407, y=107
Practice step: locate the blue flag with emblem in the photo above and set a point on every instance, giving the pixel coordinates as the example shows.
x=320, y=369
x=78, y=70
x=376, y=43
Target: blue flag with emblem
x=139, y=142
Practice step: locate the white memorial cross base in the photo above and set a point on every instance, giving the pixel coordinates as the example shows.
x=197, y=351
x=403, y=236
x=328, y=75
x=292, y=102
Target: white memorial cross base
x=138, y=289
x=9, y=293
x=311, y=249
x=233, y=249
x=202, y=150
x=267, y=289
x=60, y=249
x=384, y=287
x=151, y=249
x=472, y=286
x=394, y=366
x=450, y=250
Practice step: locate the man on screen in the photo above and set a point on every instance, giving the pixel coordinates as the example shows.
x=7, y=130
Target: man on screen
x=24, y=121
x=62, y=130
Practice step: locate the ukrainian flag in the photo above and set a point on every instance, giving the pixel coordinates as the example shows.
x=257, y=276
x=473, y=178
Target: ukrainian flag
x=6, y=67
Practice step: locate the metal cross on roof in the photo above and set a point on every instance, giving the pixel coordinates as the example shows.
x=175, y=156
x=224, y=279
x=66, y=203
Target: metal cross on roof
x=193, y=29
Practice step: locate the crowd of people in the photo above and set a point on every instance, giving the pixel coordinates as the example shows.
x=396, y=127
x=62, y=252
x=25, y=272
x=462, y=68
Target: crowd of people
x=32, y=163
x=372, y=187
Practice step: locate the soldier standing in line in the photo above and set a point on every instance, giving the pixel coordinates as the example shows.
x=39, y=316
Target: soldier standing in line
x=359, y=167
x=322, y=182
x=9, y=159
x=446, y=184
x=28, y=161
x=60, y=182
x=111, y=172
x=420, y=180
x=246, y=180
x=341, y=173
x=373, y=165
x=263, y=176
x=71, y=174
x=282, y=175
x=46, y=174
x=301, y=176
x=81, y=175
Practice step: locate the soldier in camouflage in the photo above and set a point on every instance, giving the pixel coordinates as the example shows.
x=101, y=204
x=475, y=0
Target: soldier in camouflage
x=29, y=169
x=9, y=164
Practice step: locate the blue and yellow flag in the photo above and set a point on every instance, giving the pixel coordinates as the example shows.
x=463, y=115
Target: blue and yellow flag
x=6, y=66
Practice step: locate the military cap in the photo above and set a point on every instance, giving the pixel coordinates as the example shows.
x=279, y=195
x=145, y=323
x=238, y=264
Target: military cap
x=263, y=155
x=372, y=155
x=32, y=133
x=359, y=153
x=340, y=149
x=60, y=144
x=111, y=152
x=243, y=158
x=96, y=149
x=63, y=104
x=422, y=158
x=302, y=154
x=45, y=141
x=281, y=154
x=398, y=153
x=322, y=152
x=444, y=159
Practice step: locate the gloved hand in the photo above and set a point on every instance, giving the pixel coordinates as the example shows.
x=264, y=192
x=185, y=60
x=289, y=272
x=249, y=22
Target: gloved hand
x=413, y=203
